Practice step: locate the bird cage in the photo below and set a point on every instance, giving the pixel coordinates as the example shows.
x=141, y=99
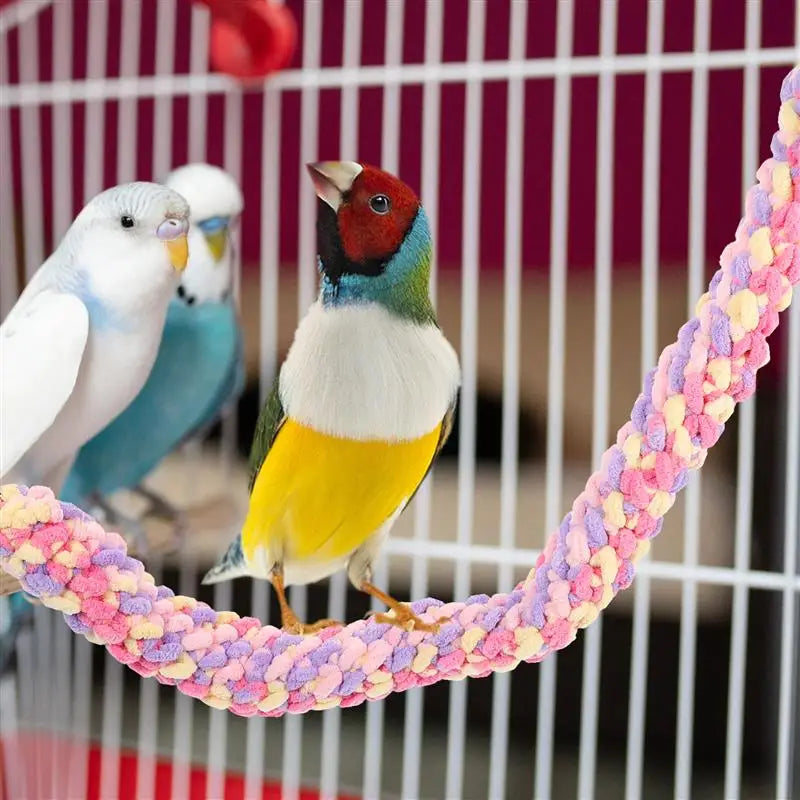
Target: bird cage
x=583, y=165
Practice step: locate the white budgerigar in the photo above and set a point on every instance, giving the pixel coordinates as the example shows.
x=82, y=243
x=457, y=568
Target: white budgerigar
x=81, y=340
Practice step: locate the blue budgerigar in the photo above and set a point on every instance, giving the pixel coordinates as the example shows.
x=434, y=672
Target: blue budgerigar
x=198, y=370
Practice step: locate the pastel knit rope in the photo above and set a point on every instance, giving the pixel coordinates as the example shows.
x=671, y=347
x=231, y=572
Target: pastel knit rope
x=66, y=559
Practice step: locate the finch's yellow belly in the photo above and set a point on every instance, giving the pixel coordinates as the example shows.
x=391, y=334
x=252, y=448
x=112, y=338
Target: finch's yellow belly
x=319, y=497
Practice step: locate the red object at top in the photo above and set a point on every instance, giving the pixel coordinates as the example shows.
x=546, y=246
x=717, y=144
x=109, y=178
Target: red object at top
x=250, y=38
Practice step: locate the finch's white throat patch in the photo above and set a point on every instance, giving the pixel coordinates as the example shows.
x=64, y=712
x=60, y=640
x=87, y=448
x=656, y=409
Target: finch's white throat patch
x=361, y=372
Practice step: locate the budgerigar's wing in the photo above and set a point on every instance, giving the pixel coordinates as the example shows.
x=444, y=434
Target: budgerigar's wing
x=44, y=278
x=41, y=349
x=270, y=420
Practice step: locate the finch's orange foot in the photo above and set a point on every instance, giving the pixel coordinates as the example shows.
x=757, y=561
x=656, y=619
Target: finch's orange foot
x=297, y=628
x=403, y=617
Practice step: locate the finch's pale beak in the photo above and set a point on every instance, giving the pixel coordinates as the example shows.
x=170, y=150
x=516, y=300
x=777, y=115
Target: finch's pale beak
x=173, y=233
x=333, y=179
x=217, y=242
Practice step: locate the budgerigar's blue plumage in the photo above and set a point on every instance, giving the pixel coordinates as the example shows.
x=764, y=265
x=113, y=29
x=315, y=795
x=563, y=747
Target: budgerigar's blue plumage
x=198, y=370
x=15, y=613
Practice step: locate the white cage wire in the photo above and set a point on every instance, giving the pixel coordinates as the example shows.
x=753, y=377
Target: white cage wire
x=45, y=174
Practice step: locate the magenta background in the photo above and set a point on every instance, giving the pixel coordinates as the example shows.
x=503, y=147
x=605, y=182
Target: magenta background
x=724, y=202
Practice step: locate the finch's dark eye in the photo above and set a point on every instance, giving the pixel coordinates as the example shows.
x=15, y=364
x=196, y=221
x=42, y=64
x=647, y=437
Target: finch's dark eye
x=126, y=221
x=380, y=203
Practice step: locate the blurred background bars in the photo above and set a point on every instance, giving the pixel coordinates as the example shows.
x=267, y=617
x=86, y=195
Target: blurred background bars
x=554, y=453
x=581, y=173
x=467, y=400
x=640, y=626
x=745, y=462
x=509, y=484
x=695, y=285
x=602, y=369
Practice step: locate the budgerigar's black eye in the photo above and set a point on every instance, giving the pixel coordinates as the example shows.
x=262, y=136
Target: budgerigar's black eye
x=380, y=203
x=127, y=221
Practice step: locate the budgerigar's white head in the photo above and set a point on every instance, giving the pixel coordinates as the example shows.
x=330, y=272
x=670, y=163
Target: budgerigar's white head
x=216, y=201
x=126, y=248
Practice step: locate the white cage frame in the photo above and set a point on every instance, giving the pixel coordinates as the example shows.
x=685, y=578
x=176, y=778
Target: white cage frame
x=30, y=95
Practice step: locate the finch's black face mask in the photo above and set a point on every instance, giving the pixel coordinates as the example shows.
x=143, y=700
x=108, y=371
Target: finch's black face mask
x=335, y=262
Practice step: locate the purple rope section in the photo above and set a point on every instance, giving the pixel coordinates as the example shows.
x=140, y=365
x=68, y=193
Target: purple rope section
x=66, y=559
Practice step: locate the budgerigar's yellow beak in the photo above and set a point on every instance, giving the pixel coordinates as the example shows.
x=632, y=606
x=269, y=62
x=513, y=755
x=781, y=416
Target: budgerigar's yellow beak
x=217, y=242
x=178, y=250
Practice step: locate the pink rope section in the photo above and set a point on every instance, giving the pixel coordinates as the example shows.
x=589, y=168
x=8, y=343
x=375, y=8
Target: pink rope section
x=67, y=560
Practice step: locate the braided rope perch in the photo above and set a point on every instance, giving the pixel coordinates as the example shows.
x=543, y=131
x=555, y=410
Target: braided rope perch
x=66, y=559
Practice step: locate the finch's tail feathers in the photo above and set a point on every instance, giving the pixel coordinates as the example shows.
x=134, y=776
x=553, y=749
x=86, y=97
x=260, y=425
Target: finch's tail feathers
x=231, y=565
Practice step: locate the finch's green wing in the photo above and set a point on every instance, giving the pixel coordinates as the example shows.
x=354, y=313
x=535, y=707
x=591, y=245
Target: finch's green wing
x=270, y=420
x=444, y=435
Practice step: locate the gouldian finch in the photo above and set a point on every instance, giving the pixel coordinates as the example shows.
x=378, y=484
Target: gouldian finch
x=199, y=368
x=363, y=402
x=81, y=339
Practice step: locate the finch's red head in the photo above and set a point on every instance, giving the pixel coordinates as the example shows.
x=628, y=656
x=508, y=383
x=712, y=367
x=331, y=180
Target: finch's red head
x=364, y=216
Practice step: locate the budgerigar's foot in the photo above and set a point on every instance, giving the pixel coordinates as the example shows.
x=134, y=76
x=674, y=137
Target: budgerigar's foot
x=403, y=617
x=137, y=536
x=162, y=509
x=297, y=628
x=131, y=528
x=159, y=506
x=180, y=529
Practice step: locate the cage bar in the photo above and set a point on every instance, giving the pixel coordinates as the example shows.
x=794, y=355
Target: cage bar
x=593, y=638
x=166, y=21
x=9, y=288
x=390, y=157
x=61, y=126
x=268, y=364
x=94, y=115
x=129, y=106
x=554, y=469
x=696, y=286
x=509, y=467
x=306, y=275
x=787, y=756
x=337, y=593
x=651, y=184
x=30, y=145
x=198, y=64
x=746, y=456
x=470, y=250
x=30, y=93
x=422, y=506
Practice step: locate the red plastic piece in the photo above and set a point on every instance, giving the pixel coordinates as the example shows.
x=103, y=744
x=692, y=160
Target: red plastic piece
x=28, y=748
x=250, y=38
